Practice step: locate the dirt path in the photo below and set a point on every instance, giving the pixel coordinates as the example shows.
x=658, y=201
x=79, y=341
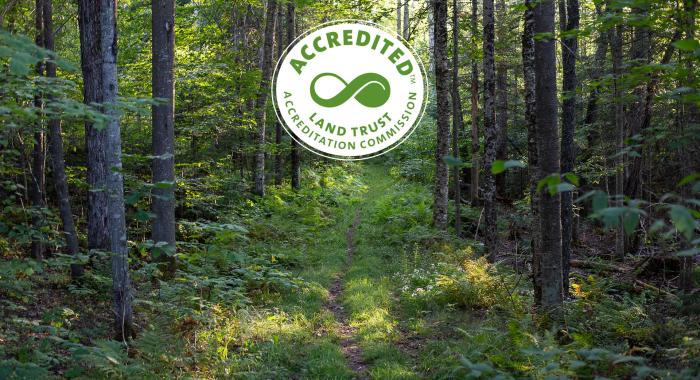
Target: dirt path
x=348, y=334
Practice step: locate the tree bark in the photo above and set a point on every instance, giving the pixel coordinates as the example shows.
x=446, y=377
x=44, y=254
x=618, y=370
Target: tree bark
x=616, y=50
x=569, y=21
x=261, y=101
x=456, y=117
x=501, y=100
x=58, y=165
x=549, y=278
x=163, y=134
x=399, y=26
x=593, y=136
x=443, y=113
x=490, y=132
x=475, y=148
x=97, y=20
x=528, y=53
x=278, y=125
x=295, y=157
x=406, y=14
x=37, y=188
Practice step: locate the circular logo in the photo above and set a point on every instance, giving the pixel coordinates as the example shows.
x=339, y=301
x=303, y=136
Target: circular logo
x=349, y=90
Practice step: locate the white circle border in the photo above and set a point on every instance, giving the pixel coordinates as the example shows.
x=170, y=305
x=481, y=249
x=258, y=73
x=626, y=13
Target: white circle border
x=299, y=141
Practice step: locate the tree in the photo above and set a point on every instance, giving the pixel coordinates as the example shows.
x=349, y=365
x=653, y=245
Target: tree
x=278, y=126
x=549, y=278
x=97, y=20
x=398, y=18
x=490, y=132
x=38, y=169
x=443, y=114
x=406, y=11
x=456, y=117
x=528, y=53
x=295, y=158
x=58, y=165
x=569, y=19
x=163, y=134
x=261, y=100
x=474, y=196
x=501, y=102
x=616, y=50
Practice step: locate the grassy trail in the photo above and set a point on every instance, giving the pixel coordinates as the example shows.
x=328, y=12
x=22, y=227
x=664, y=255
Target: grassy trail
x=342, y=327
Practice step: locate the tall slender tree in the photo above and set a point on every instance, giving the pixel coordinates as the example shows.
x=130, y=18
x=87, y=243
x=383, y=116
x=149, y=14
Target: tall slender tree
x=261, y=100
x=295, y=157
x=279, y=29
x=549, y=278
x=475, y=148
x=616, y=50
x=406, y=15
x=58, y=165
x=399, y=26
x=38, y=169
x=443, y=113
x=528, y=53
x=97, y=20
x=456, y=117
x=568, y=24
x=501, y=102
x=163, y=133
x=490, y=131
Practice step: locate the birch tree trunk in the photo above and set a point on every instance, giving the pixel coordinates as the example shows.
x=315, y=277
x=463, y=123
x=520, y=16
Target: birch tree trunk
x=97, y=20
x=549, y=279
x=261, y=101
x=163, y=134
x=443, y=114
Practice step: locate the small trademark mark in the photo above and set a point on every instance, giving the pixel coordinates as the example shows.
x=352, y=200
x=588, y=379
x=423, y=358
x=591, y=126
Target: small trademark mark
x=413, y=79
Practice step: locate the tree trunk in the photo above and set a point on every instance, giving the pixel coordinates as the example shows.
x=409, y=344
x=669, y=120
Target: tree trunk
x=549, y=279
x=278, y=125
x=501, y=100
x=37, y=188
x=431, y=33
x=528, y=52
x=406, y=14
x=502, y=125
x=456, y=117
x=443, y=113
x=98, y=45
x=616, y=50
x=261, y=101
x=295, y=158
x=569, y=20
x=490, y=132
x=399, y=26
x=163, y=134
x=474, y=196
x=58, y=165
x=593, y=136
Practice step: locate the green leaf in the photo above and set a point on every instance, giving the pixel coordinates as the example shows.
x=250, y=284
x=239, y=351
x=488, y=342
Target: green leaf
x=682, y=220
x=453, y=161
x=561, y=188
x=499, y=166
x=573, y=178
x=686, y=45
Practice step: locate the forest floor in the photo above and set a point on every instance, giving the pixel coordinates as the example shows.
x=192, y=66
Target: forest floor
x=344, y=279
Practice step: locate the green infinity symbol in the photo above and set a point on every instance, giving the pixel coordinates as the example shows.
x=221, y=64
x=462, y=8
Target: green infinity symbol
x=369, y=89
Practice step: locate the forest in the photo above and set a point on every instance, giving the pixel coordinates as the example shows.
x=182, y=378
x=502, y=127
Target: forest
x=157, y=221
